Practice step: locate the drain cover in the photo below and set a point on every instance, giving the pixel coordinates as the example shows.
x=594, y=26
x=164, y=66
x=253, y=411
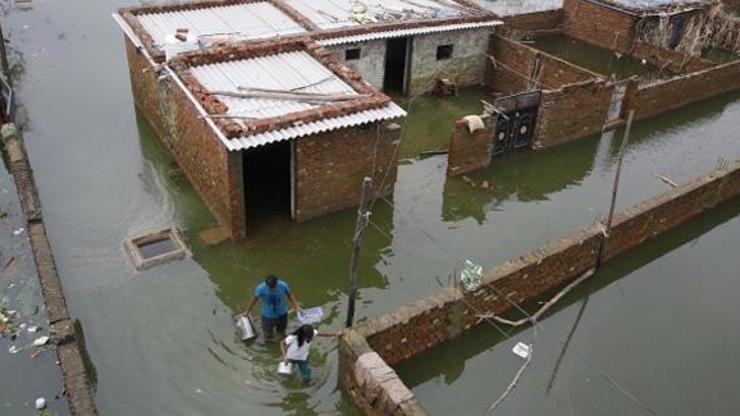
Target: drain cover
x=156, y=248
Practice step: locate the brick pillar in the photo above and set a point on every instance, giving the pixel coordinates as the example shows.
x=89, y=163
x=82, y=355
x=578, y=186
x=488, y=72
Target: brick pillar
x=629, y=103
x=390, y=138
x=470, y=151
x=237, y=207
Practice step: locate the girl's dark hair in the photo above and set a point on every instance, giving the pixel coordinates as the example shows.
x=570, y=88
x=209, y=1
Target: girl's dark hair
x=304, y=334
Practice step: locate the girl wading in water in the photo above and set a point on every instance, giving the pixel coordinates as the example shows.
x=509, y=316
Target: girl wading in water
x=296, y=346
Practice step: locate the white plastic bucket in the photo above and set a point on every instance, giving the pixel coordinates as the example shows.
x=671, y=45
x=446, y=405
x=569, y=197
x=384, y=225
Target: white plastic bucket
x=285, y=368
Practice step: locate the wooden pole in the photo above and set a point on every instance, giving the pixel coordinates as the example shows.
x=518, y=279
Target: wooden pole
x=363, y=216
x=615, y=188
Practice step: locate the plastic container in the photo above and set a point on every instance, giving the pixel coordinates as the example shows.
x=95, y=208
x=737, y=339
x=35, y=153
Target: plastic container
x=246, y=328
x=310, y=315
x=285, y=368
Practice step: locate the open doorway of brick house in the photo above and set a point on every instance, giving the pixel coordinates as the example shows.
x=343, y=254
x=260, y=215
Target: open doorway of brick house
x=267, y=183
x=397, y=62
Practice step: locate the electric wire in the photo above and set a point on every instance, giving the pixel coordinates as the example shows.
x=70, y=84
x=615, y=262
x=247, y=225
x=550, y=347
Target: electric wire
x=518, y=307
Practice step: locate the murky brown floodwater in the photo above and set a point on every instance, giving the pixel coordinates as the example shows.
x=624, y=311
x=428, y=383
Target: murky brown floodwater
x=162, y=341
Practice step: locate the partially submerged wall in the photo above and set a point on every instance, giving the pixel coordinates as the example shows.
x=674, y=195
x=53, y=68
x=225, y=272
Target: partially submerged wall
x=572, y=112
x=214, y=172
x=533, y=25
x=601, y=26
x=428, y=322
x=666, y=95
x=470, y=151
x=513, y=68
x=676, y=62
x=329, y=167
x=465, y=67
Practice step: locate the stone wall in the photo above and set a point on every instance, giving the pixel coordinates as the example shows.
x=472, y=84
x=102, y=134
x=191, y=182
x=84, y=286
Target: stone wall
x=466, y=67
x=371, y=63
x=514, y=63
x=470, y=151
x=329, y=167
x=598, y=25
x=572, y=112
x=422, y=324
x=666, y=95
x=213, y=171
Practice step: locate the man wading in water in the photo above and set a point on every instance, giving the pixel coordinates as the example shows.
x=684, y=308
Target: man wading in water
x=273, y=293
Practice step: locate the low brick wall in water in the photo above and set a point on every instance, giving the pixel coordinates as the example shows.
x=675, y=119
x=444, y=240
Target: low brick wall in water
x=428, y=322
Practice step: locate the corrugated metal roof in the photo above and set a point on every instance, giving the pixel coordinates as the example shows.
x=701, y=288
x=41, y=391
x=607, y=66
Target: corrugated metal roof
x=333, y=14
x=516, y=7
x=407, y=32
x=242, y=21
x=297, y=71
x=655, y=4
x=388, y=112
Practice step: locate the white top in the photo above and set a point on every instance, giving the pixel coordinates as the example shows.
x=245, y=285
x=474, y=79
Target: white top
x=294, y=351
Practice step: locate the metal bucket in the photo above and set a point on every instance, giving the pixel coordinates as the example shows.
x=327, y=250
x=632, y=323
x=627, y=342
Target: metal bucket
x=246, y=328
x=285, y=368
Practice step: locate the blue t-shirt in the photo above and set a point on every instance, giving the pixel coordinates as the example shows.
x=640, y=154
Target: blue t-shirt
x=273, y=301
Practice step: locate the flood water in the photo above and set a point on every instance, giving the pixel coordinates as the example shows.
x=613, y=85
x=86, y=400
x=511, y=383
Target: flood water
x=599, y=60
x=658, y=322
x=162, y=341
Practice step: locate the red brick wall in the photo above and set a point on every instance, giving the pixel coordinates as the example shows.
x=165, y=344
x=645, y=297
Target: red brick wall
x=573, y=112
x=531, y=25
x=329, y=167
x=598, y=25
x=662, y=96
x=470, y=151
x=675, y=61
x=422, y=324
x=212, y=170
x=514, y=63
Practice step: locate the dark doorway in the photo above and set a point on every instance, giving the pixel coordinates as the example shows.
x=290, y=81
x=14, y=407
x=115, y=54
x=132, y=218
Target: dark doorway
x=267, y=182
x=396, y=65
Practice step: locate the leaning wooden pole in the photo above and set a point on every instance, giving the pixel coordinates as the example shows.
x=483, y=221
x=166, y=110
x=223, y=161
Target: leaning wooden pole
x=615, y=188
x=363, y=216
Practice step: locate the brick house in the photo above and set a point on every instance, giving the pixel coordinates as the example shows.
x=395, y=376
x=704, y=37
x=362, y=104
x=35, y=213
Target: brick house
x=278, y=126
x=617, y=24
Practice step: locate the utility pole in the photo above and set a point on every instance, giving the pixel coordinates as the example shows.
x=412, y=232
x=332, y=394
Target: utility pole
x=363, y=216
x=615, y=188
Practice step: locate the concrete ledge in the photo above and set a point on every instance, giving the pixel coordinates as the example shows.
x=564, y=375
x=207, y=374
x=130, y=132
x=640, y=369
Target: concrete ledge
x=76, y=380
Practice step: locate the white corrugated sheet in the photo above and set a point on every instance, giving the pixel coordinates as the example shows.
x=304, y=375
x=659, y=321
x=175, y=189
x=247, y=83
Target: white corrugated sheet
x=655, y=4
x=406, y=32
x=388, y=112
x=332, y=14
x=241, y=21
x=296, y=71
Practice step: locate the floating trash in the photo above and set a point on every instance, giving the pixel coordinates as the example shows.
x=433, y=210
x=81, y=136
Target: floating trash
x=14, y=349
x=41, y=341
x=40, y=403
x=521, y=349
x=471, y=275
x=18, y=231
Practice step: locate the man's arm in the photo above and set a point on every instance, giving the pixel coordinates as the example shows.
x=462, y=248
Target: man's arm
x=251, y=305
x=294, y=301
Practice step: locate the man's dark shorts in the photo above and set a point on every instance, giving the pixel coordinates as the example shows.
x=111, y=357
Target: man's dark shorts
x=280, y=323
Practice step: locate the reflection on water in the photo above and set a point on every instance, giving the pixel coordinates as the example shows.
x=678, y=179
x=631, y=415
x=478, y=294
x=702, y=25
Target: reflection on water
x=477, y=366
x=602, y=61
x=163, y=340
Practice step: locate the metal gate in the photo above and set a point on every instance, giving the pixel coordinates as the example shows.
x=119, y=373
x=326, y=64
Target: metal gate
x=517, y=115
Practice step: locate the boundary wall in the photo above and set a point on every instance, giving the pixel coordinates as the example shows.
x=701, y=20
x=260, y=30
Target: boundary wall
x=68, y=343
x=441, y=317
x=666, y=95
